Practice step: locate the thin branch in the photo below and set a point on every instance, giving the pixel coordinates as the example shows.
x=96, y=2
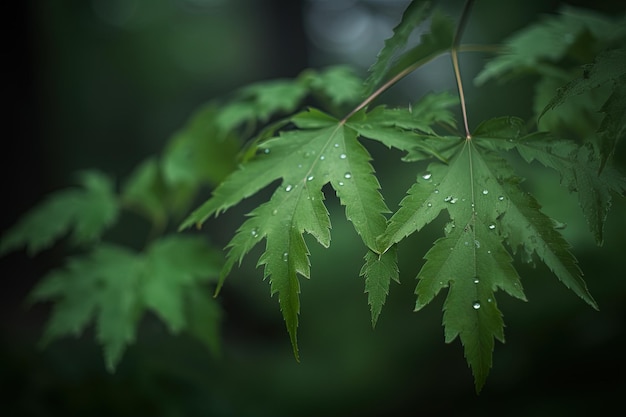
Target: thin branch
x=455, y=63
x=390, y=83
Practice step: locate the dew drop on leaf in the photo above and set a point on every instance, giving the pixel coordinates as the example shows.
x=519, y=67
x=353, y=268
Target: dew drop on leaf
x=285, y=256
x=289, y=188
x=347, y=175
x=343, y=156
x=477, y=243
x=476, y=280
x=310, y=178
x=501, y=198
x=492, y=226
x=436, y=191
x=485, y=192
x=475, y=305
x=322, y=157
x=447, y=199
x=254, y=232
x=454, y=200
x=274, y=212
x=336, y=145
x=427, y=175
x=429, y=204
x=340, y=182
x=266, y=151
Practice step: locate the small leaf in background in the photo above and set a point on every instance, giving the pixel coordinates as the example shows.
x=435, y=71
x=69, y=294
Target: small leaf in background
x=84, y=213
x=113, y=287
x=413, y=16
x=339, y=83
x=100, y=287
x=200, y=153
x=173, y=266
x=539, y=47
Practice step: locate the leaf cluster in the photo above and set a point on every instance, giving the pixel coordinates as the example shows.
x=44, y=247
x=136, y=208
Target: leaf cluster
x=306, y=137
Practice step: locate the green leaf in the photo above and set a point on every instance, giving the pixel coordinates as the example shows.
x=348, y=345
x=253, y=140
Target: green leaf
x=260, y=101
x=100, y=287
x=414, y=14
x=579, y=168
x=613, y=126
x=173, y=266
x=305, y=160
x=200, y=153
x=145, y=191
x=379, y=270
x=608, y=67
x=536, y=47
x=411, y=129
x=113, y=286
x=84, y=212
x=433, y=43
x=486, y=209
x=339, y=83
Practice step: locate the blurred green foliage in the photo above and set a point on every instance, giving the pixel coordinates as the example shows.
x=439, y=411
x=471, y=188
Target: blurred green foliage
x=116, y=78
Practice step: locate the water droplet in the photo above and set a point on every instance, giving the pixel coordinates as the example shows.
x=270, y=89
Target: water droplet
x=489, y=252
x=340, y=183
x=485, y=192
x=454, y=200
x=322, y=157
x=343, y=156
x=285, y=256
x=427, y=175
x=274, y=212
x=475, y=305
x=310, y=178
x=300, y=166
x=477, y=243
x=336, y=145
x=466, y=243
x=476, y=280
x=501, y=198
x=492, y=226
x=307, y=154
x=436, y=191
x=447, y=199
x=255, y=232
x=429, y=204
x=489, y=300
x=266, y=151
x=347, y=175
x=289, y=188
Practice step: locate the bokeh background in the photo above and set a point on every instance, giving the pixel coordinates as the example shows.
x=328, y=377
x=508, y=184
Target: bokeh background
x=104, y=83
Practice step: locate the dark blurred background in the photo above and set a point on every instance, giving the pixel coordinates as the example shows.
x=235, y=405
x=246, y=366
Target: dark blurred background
x=104, y=83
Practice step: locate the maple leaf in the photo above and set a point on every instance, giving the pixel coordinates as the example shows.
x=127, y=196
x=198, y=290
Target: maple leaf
x=486, y=209
x=322, y=151
x=414, y=14
x=84, y=212
x=578, y=166
x=113, y=286
x=379, y=270
x=608, y=67
x=538, y=47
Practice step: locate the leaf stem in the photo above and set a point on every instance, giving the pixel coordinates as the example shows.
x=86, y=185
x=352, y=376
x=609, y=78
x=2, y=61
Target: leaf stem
x=388, y=84
x=455, y=62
